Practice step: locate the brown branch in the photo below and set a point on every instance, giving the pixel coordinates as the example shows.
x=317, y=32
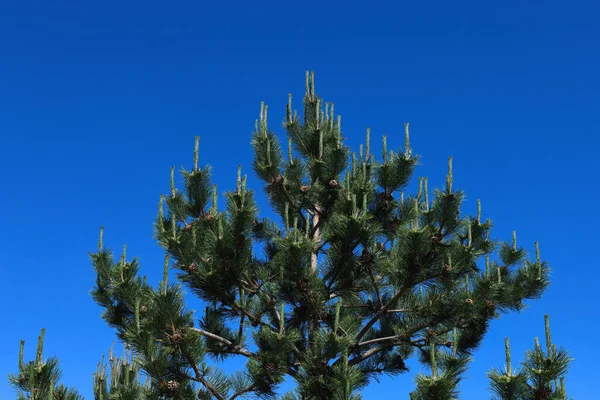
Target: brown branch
x=382, y=339
x=200, y=378
x=316, y=236
x=367, y=354
x=235, y=349
x=277, y=316
x=380, y=313
x=211, y=389
x=252, y=318
x=390, y=303
x=241, y=331
x=375, y=285
x=391, y=342
x=243, y=391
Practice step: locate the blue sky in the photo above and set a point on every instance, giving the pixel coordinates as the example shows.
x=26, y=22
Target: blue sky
x=99, y=100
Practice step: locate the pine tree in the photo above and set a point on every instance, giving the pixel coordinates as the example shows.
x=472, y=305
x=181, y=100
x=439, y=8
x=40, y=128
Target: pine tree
x=353, y=277
x=39, y=379
x=541, y=378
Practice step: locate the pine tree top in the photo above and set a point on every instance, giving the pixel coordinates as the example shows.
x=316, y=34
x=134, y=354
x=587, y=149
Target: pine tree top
x=354, y=277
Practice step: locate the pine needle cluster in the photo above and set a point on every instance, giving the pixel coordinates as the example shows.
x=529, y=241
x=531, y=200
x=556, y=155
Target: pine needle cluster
x=542, y=376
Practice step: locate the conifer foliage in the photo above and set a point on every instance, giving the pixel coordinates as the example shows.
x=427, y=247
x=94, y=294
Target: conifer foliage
x=541, y=378
x=353, y=277
x=39, y=379
x=119, y=379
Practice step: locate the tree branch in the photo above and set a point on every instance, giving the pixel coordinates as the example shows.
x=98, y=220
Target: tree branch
x=382, y=339
x=316, y=235
x=367, y=354
x=375, y=286
x=243, y=391
x=380, y=312
x=200, y=378
x=236, y=349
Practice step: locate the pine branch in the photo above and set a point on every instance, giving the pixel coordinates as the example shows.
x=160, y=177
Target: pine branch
x=234, y=349
x=243, y=391
x=391, y=339
x=200, y=378
x=380, y=313
x=316, y=236
x=375, y=286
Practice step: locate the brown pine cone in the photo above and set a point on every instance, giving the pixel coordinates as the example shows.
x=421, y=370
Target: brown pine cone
x=304, y=188
x=172, y=385
x=177, y=336
x=270, y=368
x=277, y=180
x=191, y=267
x=333, y=183
x=469, y=301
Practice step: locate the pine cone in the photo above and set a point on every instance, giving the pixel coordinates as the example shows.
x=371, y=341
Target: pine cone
x=208, y=217
x=383, y=196
x=172, y=386
x=333, y=183
x=385, y=205
x=187, y=228
x=143, y=309
x=469, y=302
x=191, y=267
x=543, y=393
x=270, y=368
x=277, y=180
x=178, y=336
x=304, y=188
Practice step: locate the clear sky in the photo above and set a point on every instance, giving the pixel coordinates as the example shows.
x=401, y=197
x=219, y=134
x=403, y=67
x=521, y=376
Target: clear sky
x=99, y=99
